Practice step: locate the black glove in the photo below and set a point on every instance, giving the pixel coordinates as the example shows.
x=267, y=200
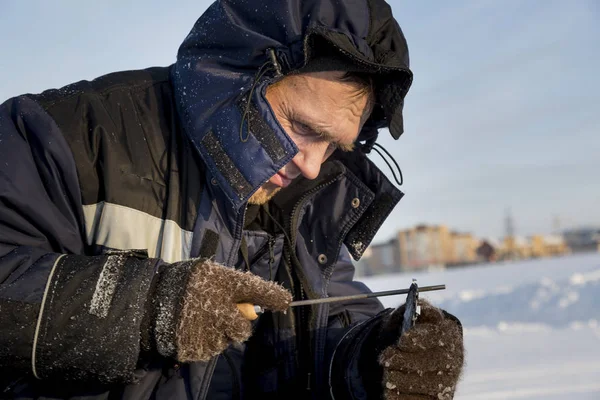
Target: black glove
x=192, y=313
x=426, y=361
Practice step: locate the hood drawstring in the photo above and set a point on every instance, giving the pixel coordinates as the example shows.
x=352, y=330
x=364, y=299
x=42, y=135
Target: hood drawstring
x=261, y=72
x=399, y=182
x=372, y=145
x=270, y=65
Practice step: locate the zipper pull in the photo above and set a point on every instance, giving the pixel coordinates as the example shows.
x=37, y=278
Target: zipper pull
x=308, y=382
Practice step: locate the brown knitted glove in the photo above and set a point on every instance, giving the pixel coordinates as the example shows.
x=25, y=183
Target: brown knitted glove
x=194, y=308
x=427, y=361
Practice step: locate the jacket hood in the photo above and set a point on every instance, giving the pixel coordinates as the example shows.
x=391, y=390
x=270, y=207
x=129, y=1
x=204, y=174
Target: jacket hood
x=237, y=48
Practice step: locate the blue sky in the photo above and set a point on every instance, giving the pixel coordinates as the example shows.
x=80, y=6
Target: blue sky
x=504, y=111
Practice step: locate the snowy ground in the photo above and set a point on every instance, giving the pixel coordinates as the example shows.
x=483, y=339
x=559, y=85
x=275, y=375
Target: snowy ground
x=532, y=329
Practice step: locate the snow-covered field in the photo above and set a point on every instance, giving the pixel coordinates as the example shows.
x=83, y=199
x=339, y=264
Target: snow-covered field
x=532, y=328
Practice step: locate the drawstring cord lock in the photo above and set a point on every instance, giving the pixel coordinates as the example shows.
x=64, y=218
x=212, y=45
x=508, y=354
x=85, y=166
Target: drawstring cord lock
x=276, y=65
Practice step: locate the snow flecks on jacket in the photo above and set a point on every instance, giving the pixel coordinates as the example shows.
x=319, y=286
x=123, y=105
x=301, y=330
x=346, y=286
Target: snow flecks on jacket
x=106, y=285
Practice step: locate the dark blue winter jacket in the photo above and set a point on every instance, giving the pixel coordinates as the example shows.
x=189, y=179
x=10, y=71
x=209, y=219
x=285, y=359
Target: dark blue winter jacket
x=103, y=181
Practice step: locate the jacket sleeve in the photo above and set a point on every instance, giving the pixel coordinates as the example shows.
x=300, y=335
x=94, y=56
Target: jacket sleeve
x=63, y=314
x=349, y=326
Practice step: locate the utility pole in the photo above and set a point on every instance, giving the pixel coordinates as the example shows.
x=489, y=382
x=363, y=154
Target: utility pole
x=509, y=227
x=509, y=232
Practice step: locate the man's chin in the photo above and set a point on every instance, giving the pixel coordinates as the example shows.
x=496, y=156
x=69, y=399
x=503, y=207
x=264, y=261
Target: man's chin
x=263, y=195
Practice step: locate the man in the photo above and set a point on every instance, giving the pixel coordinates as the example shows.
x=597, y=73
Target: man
x=138, y=210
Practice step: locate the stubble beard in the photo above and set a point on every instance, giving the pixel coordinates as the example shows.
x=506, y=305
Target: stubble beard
x=265, y=193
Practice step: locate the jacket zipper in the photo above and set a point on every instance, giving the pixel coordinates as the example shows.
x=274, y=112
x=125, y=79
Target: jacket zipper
x=239, y=232
x=207, y=379
x=271, y=244
x=304, y=345
x=210, y=368
x=266, y=248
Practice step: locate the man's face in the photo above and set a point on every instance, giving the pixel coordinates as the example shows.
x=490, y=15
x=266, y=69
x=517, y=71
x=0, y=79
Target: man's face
x=320, y=113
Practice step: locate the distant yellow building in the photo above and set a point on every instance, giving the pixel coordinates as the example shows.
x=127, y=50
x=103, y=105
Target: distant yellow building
x=424, y=246
x=548, y=246
x=537, y=246
x=463, y=248
x=432, y=246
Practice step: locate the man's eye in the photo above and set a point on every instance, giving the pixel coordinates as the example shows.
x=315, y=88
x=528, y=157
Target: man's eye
x=303, y=128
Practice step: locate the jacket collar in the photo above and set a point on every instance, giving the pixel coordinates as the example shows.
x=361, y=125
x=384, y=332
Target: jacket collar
x=347, y=203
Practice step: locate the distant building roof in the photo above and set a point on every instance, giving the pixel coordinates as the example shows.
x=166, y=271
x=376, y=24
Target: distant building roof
x=495, y=243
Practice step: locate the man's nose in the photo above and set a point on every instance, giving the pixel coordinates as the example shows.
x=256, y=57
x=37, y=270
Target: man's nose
x=309, y=161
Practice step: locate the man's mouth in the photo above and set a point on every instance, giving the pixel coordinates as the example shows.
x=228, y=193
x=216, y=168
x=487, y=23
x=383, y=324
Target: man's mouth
x=280, y=180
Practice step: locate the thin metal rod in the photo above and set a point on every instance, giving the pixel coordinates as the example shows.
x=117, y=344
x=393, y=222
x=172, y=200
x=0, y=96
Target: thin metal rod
x=363, y=296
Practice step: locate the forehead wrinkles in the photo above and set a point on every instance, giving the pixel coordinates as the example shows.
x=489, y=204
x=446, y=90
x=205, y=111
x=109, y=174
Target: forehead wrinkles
x=349, y=110
x=338, y=95
x=344, y=123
